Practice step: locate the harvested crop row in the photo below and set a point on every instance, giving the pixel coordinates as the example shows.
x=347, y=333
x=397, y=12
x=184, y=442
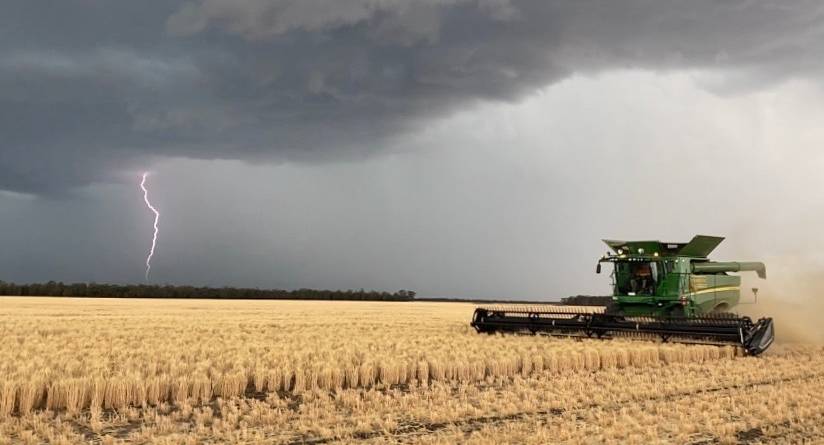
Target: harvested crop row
x=74, y=394
x=436, y=412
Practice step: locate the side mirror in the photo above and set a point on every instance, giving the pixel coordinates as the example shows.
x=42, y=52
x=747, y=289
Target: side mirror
x=598, y=268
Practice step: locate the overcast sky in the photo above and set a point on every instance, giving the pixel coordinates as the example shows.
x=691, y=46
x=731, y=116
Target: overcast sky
x=469, y=148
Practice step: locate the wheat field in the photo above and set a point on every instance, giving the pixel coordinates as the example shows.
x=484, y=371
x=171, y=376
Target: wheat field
x=205, y=371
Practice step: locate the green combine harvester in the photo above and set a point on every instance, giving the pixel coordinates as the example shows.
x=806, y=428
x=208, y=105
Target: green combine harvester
x=670, y=291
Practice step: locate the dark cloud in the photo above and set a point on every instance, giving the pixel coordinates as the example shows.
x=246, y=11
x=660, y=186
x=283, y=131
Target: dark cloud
x=515, y=207
x=90, y=88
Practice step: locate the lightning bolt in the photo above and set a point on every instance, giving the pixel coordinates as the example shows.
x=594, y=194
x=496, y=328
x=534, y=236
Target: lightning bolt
x=156, y=218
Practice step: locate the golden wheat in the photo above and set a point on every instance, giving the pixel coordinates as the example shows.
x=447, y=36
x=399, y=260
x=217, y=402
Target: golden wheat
x=149, y=371
x=79, y=354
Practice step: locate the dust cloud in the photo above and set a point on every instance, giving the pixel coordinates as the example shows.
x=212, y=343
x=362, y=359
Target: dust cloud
x=793, y=295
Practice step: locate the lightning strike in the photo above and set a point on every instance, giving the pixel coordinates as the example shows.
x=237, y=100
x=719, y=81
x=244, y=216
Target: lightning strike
x=156, y=218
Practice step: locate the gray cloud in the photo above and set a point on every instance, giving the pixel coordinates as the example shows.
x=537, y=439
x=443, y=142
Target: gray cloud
x=89, y=90
x=515, y=207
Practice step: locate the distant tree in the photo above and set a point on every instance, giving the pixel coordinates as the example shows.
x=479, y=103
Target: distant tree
x=101, y=290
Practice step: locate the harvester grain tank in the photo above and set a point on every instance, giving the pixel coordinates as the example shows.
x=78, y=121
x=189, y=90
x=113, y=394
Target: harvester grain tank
x=667, y=290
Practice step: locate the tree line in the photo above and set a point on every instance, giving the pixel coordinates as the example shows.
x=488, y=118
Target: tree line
x=102, y=290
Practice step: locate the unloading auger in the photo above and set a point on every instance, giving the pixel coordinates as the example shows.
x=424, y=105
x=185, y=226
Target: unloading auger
x=666, y=290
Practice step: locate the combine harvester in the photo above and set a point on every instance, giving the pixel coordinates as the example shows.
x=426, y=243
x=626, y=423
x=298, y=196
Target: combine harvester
x=666, y=290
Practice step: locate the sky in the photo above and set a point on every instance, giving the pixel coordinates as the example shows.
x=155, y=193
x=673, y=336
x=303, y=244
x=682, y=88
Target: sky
x=460, y=148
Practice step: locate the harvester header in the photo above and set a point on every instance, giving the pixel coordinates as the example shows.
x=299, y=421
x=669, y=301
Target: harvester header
x=665, y=289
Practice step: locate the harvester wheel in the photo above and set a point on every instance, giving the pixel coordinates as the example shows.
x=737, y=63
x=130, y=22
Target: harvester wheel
x=612, y=308
x=533, y=318
x=677, y=312
x=722, y=315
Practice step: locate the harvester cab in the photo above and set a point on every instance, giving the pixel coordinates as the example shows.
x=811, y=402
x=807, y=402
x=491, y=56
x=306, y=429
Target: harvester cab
x=674, y=279
x=667, y=290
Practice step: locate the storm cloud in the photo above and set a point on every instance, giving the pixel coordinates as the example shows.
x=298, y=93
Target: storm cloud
x=89, y=90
